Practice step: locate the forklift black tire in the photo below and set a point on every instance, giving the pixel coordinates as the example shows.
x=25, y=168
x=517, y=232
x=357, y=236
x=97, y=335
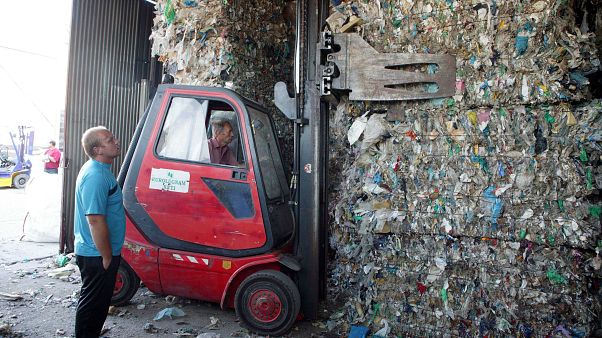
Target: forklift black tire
x=19, y=181
x=126, y=285
x=267, y=303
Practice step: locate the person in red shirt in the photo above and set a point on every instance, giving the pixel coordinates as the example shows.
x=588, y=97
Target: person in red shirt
x=52, y=158
x=219, y=152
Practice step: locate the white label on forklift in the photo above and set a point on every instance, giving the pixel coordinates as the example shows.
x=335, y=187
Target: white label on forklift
x=169, y=180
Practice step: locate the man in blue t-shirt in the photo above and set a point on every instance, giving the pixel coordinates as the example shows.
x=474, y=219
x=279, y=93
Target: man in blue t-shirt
x=99, y=230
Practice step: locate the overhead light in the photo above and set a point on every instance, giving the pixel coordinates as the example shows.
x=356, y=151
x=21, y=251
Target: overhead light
x=152, y=2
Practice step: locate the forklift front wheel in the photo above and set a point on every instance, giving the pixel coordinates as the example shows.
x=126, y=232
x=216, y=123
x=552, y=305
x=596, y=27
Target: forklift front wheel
x=126, y=285
x=20, y=180
x=267, y=302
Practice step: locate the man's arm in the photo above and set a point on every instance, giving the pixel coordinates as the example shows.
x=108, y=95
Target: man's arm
x=54, y=157
x=100, y=236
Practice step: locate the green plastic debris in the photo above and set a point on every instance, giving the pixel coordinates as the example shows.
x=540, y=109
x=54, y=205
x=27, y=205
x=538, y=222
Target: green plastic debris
x=502, y=69
x=583, y=155
x=522, y=234
x=549, y=118
x=487, y=94
x=454, y=148
x=482, y=161
x=589, y=178
x=561, y=205
x=375, y=311
x=439, y=206
x=61, y=260
x=594, y=211
x=555, y=277
x=551, y=239
x=503, y=112
x=170, y=12
x=444, y=295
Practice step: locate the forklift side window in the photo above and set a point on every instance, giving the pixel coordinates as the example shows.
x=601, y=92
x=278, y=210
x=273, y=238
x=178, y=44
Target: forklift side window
x=184, y=136
x=188, y=128
x=270, y=162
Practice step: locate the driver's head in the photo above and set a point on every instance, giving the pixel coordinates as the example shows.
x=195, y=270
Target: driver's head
x=222, y=131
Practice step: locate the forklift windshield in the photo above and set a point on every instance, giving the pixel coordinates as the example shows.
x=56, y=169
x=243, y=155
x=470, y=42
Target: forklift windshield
x=270, y=162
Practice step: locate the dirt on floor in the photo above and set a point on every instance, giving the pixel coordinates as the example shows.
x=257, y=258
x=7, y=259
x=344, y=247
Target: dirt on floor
x=37, y=299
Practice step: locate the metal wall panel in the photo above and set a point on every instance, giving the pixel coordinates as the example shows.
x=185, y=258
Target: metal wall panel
x=108, y=59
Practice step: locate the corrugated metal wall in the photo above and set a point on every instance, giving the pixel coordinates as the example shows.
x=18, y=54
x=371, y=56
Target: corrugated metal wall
x=109, y=65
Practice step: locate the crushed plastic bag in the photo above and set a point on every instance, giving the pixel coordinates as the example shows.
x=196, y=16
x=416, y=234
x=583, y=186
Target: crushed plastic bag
x=169, y=312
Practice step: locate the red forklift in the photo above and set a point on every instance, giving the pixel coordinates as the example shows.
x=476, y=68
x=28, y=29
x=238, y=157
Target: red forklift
x=202, y=230
x=248, y=235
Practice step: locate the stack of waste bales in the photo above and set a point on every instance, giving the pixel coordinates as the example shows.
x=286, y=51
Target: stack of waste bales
x=477, y=214
x=241, y=45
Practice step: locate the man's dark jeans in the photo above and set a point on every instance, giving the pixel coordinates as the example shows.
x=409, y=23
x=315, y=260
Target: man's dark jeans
x=95, y=295
x=51, y=170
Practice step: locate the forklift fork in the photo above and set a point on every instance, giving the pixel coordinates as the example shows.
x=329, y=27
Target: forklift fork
x=350, y=64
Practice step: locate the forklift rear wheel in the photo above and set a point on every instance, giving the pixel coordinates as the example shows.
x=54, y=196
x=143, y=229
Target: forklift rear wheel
x=20, y=180
x=126, y=285
x=267, y=302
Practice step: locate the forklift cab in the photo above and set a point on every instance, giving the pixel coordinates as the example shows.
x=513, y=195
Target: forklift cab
x=205, y=230
x=190, y=203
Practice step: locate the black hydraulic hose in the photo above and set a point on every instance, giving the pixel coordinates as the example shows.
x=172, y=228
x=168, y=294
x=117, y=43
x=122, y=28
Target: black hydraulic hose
x=282, y=200
x=301, y=18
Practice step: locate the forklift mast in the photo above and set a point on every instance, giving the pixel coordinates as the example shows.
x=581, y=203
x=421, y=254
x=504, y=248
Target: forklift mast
x=309, y=182
x=310, y=165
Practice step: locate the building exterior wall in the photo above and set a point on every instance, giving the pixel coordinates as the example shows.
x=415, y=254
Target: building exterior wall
x=108, y=59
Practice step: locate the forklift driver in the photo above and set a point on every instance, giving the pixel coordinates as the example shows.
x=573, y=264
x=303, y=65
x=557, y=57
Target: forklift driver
x=219, y=151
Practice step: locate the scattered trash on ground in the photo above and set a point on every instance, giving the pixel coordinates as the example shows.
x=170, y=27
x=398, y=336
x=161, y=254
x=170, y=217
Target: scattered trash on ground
x=185, y=332
x=214, y=323
x=61, y=260
x=209, y=335
x=150, y=328
x=62, y=273
x=10, y=296
x=106, y=328
x=169, y=312
x=115, y=311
